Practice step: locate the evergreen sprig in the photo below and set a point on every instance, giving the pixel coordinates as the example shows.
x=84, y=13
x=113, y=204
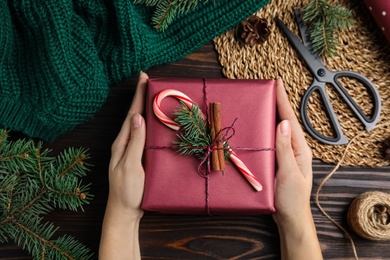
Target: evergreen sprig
x=194, y=135
x=323, y=20
x=32, y=184
x=167, y=10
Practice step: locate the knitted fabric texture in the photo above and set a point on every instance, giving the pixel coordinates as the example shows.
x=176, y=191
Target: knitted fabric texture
x=58, y=58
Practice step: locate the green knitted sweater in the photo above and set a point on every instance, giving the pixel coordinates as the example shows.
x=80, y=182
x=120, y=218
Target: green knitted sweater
x=58, y=58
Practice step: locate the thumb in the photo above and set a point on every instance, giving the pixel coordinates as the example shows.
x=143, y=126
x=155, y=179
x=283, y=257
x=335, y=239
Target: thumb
x=136, y=145
x=284, y=151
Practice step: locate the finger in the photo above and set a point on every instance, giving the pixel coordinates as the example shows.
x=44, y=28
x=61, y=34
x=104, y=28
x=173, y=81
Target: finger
x=300, y=147
x=138, y=103
x=284, y=151
x=121, y=141
x=287, y=113
x=136, y=145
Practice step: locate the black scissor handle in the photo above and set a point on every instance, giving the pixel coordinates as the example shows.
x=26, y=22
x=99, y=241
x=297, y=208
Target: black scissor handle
x=339, y=136
x=332, y=78
x=369, y=123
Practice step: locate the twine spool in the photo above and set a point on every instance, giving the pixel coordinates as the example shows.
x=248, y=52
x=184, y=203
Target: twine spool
x=369, y=215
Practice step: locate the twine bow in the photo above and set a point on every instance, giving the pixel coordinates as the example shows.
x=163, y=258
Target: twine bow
x=214, y=146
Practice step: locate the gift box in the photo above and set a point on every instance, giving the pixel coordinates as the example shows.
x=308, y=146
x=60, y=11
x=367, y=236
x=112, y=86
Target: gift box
x=173, y=182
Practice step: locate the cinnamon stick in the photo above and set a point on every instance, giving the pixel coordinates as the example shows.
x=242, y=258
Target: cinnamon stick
x=214, y=154
x=217, y=155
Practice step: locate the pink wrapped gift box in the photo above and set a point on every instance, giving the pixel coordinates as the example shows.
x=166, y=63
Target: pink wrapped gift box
x=173, y=184
x=380, y=10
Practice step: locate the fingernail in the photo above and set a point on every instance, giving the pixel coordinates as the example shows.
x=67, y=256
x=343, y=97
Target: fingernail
x=136, y=121
x=285, y=127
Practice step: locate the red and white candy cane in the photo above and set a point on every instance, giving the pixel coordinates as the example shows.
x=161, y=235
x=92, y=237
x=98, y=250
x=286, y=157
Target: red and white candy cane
x=157, y=108
x=245, y=171
x=175, y=126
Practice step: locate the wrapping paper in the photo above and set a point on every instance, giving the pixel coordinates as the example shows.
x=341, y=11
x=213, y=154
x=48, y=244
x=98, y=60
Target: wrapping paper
x=380, y=10
x=172, y=183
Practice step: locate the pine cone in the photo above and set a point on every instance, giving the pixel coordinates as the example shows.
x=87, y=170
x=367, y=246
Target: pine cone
x=387, y=146
x=253, y=31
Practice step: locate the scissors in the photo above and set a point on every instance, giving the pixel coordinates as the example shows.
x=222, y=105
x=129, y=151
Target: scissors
x=323, y=76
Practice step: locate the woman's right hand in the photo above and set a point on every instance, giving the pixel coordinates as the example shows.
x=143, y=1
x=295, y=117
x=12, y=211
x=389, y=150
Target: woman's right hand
x=293, y=184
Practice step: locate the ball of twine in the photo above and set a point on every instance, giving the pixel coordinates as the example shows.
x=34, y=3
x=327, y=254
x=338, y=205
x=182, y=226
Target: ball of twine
x=369, y=215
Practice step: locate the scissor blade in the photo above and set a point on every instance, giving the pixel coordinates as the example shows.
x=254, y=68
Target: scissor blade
x=312, y=62
x=303, y=31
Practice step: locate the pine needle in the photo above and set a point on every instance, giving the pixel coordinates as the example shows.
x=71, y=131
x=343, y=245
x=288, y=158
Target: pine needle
x=32, y=184
x=323, y=22
x=194, y=135
x=167, y=10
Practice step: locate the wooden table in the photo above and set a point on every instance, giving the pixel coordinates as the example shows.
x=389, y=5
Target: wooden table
x=203, y=237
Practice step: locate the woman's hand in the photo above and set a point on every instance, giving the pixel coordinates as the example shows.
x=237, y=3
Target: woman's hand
x=294, y=177
x=293, y=185
x=119, y=238
x=126, y=173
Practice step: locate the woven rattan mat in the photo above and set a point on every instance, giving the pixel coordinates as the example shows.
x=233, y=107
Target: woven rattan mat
x=362, y=48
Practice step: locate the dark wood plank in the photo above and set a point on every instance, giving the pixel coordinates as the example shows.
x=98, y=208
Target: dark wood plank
x=203, y=237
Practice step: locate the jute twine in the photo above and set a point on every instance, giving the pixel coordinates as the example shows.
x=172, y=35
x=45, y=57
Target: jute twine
x=362, y=48
x=339, y=163
x=369, y=215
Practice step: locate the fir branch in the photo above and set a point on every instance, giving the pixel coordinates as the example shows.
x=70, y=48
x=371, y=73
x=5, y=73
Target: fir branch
x=29, y=204
x=15, y=156
x=74, y=159
x=167, y=10
x=3, y=137
x=192, y=121
x=6, y=181
x=32, y=183
x=36, y=238
x=323, y=21
x=69, y=244
x=194, y=136
x=164, y=14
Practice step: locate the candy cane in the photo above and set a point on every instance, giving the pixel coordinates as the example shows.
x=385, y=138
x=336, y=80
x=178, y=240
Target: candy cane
x=245, y=171
x=175, y=126
x=157, y=106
